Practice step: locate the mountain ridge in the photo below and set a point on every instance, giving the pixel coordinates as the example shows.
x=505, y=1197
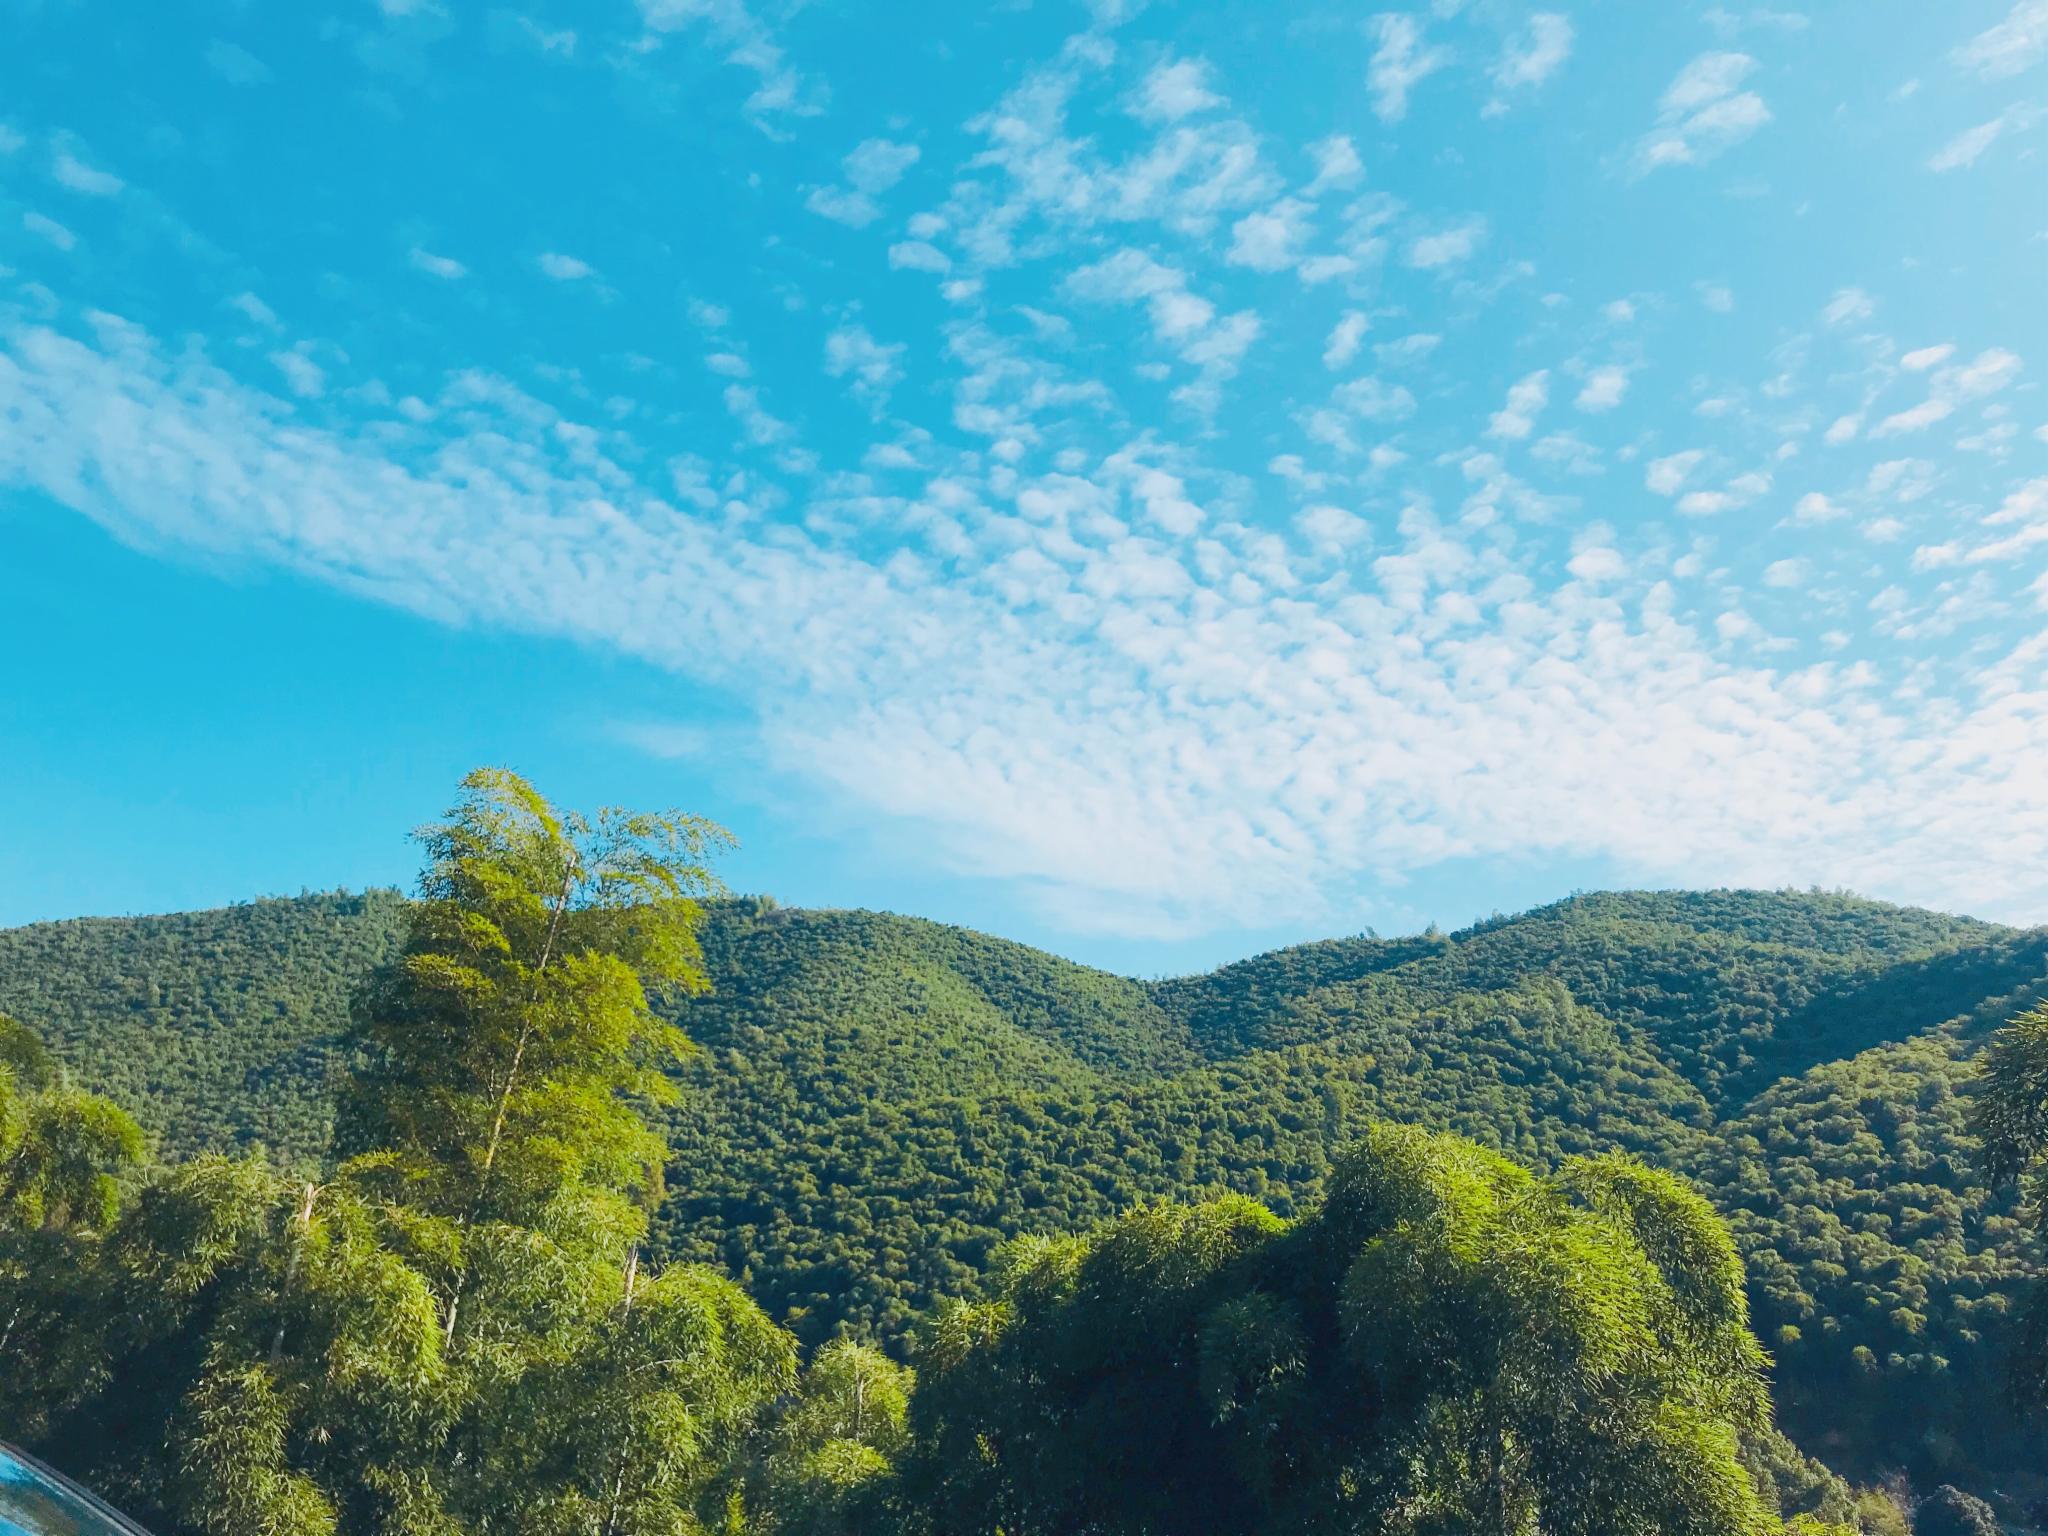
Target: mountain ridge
x=879, y=1101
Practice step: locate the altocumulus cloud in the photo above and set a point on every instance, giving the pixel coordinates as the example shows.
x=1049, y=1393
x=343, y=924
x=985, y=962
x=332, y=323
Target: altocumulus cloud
x=1075, y=679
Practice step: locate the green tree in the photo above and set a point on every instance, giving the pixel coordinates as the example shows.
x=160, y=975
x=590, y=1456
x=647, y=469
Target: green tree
x=835, y=1443
x=1450, y=1344
x=64, y=1158
x=450, y=1332
x=1949, y=1511
x=2011, y=1115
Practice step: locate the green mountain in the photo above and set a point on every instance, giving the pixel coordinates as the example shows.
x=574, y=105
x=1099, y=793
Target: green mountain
x=880, y=1101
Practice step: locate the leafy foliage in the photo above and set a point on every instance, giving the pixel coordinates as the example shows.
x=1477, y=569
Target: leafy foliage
x=2011, y=1115
x=1449, y=1344
x=447, y=1332
x=1948, y=1511
x=878, y=1104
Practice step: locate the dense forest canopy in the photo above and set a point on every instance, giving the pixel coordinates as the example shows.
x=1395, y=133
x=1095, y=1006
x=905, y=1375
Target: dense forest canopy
x=874, y=1108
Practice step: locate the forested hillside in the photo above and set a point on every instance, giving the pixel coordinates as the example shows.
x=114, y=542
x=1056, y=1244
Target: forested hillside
x=878, y=1102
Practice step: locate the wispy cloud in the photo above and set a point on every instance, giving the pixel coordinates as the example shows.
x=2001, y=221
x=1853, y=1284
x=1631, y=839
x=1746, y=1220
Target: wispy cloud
x=1447, y=247
x=871, y=168
x=1401, y=61
x=1270, y=239
x=1344, y=339
x=67, y=170
x=1196, y=772
x=2015, y=44
x=1604, y=389
x=235, y=64
x=1337, y=164
x=1703, y=112
x=1968, y=147
x=781, y=91
x=871, y=368
x=446, y=268
x=43, y=227
x=563, y=268
x=1526, y=400
x=1531, y=58
x=1174, y=89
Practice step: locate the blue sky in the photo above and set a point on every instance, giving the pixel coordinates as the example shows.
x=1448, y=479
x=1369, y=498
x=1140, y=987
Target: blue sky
x=1152, y=479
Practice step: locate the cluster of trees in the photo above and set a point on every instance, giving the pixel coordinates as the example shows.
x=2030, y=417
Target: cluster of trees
x=450, y=1328
x=217, y=1029
x=878, y=1106
x=453, y=1327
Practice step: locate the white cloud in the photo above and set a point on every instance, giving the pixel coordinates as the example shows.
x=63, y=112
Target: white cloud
x=871, y=168
x=1667, y=476
x=1813, y=507
x=1848, y=306
x=780, y=90
x=1068, y=681
x=563, y=269
x=874, y=368
x=1175, y=89
x=1337, y=164
x=1968, y=146
x=1270, y=239
x=919, y=256
x=1605, y=388
x=1345, y=336
x=1703, y=112
x=46, y=228
x=1213, y=344
x=237, y=66
x=1924, y=358
x=876, y=165
x=1526, y=399
x=1539, y=52
x=1447, y=247
x=1785, y=573
x=763, y=430
x=446, y=268
x=253, y=309
x=2025, y=513
x=1598, y=562
x=1987, y=374
x=70, y=171
x=1759, y=18
x=1333, y=527
x=305, y=377
x=2014, y=44
x=1401, y=62
x=843, y=206
x=1132, y=277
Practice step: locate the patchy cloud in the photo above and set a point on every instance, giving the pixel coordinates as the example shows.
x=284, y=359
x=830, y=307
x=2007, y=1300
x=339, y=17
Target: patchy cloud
x=1401, y=61
x=1703, y=112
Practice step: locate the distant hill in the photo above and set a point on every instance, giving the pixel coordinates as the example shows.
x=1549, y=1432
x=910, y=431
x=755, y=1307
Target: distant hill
x=879, y=1101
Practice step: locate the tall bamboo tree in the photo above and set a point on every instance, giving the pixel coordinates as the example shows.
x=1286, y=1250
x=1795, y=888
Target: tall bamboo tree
x=393, y=1356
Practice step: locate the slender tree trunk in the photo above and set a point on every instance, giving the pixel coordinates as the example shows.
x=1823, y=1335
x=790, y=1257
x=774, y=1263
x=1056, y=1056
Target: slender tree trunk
x=547, y=954
x=1500, y=1480
x=303, y=1224
x=611, y=1519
